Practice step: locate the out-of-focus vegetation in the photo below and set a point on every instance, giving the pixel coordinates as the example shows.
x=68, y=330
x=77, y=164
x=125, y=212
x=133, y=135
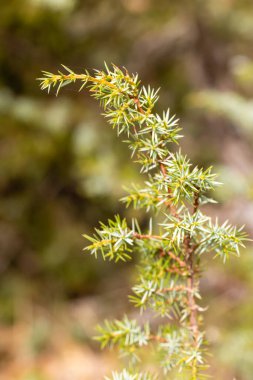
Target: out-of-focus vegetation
x=62, y=169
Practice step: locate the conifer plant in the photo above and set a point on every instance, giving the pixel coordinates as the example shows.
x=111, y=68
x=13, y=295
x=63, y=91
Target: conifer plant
x=179, y=234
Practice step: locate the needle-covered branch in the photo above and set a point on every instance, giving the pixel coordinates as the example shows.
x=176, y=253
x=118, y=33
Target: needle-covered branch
x=128, y=107
x=127, y=334
x=170, y=252
x=126, y=375
x=113, y=241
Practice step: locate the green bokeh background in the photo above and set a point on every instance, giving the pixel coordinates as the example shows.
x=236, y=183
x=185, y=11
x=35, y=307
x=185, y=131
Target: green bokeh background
x=62, y=169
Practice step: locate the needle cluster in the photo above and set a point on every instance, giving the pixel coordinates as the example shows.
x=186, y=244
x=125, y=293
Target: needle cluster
x=170, y=257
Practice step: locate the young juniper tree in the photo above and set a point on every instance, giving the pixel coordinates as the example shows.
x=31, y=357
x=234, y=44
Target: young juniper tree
x=169, y=268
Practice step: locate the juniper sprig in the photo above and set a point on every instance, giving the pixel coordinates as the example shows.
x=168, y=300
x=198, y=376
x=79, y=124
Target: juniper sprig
x=169, y=268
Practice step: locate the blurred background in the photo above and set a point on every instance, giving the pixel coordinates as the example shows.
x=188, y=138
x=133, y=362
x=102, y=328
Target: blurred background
x=62, y=169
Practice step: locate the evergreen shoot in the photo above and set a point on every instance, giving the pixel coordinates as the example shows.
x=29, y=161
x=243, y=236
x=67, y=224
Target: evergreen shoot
x=179, y=234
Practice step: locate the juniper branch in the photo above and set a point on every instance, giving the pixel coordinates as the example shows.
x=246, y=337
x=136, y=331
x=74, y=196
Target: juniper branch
x=168, y=273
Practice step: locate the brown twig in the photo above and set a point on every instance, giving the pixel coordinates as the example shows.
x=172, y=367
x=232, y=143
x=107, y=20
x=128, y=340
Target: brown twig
x=190, y=249
x=150, y=237
x=174, y=257
x=176, y=289
x=196, y=202
x=157, y=338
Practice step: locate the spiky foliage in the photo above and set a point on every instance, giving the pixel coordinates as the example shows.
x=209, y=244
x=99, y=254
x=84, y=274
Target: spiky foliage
x=169, y=268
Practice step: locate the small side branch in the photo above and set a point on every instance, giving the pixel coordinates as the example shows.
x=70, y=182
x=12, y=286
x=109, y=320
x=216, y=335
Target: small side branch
x=149, y=237
x=174, y=257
